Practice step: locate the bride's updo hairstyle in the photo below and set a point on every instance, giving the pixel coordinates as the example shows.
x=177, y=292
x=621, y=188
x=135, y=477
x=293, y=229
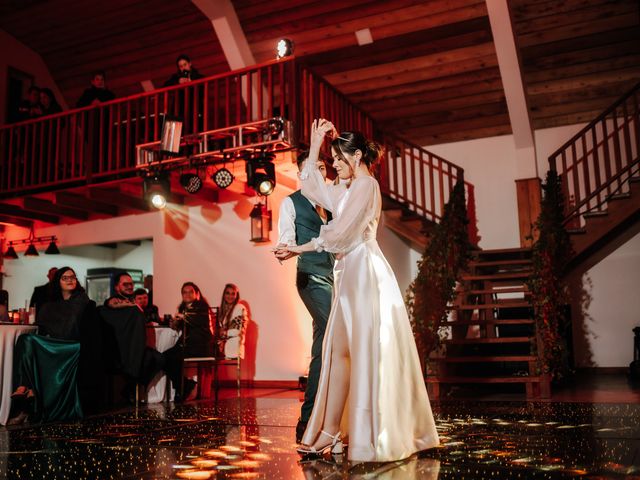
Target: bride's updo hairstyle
x=349, y=142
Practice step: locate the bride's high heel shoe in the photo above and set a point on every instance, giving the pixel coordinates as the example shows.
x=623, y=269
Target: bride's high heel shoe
x=336, y=446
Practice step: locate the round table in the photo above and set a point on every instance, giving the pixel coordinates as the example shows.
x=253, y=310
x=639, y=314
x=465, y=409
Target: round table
x=162, y=339
x=9, y=334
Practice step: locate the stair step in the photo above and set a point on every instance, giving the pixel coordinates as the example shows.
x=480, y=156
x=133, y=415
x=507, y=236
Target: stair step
x=497, y=251
x=467, y=341
x=519, y=379
x=596, y=214
x=493, y=263
x=494, y=358
x=510, y=321
x=620, y=196
x=499, y=276
x=576, y=231
x=493, y=305
x=522, y=289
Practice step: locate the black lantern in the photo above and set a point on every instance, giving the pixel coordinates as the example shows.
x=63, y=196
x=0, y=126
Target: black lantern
x=260, y=223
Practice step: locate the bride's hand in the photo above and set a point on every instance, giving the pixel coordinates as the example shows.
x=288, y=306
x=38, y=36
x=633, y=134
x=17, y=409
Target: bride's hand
x=320, y=128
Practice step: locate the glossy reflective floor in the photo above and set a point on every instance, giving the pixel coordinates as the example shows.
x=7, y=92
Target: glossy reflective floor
x=253, y=437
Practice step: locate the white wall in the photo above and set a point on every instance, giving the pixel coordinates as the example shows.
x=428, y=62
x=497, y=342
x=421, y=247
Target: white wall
x=17, y=55
x=27, y=272
x=608, y=296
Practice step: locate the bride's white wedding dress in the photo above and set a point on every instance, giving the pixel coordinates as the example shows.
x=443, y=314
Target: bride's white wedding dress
x=387, y=415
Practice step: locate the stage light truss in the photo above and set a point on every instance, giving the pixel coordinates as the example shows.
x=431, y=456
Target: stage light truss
x=271, y=135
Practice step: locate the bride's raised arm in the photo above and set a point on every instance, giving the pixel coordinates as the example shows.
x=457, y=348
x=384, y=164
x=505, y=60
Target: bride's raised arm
x=312, y=183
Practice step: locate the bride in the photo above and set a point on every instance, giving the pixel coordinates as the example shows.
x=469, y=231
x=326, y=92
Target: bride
x=371, y=387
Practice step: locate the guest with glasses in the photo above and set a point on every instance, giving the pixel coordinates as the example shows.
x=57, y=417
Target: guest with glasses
x=124, y=292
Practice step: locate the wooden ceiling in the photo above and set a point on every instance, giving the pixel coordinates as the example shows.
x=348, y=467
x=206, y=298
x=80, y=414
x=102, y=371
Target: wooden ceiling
x=431, y=73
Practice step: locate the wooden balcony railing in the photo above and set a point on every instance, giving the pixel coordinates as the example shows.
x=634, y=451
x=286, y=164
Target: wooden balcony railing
x=98, y=143
x=599, y=160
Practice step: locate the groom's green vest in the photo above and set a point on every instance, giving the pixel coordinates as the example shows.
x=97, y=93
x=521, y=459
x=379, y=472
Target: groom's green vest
x=308, y=224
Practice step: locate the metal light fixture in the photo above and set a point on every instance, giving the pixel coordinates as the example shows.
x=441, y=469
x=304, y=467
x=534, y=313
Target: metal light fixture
x=223, y=178
x=260, y=223
x=275, y=126
x=191, y=182
x=156, y=189
x=171, y=135
x=52, y=249
x=284, y=48
x=11, y=252
x=31, y=250
x=261, y=172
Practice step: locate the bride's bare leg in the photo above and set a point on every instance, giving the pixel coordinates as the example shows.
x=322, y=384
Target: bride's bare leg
x=338, y=387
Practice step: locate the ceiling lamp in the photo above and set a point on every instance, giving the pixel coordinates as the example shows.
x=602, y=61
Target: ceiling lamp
x=284, y=48
x=223, y=178
x=11, y=252
x=31, y=251
x=52, y=249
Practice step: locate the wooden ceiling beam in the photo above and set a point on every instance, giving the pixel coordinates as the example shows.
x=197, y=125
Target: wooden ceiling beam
x=587, y=68
x=559, y=60
x=582, y=93
x=79, y=201
x=430, y=73
x=427, y=106
x=579, y=14
x=567, y=119
x=127, y=41
x=527, y=9
x=342, y=36
x=44, y=206
x=404, y=47
x=480, y=92
x=462, y=135
x=459, y=114
x=591, y=80
x=17, y=221
x=583, y=29
x=457, y=125
x=16, y=211
x=487, y=76
x=116, y=197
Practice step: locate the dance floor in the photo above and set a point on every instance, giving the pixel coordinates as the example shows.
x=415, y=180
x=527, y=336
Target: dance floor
x=253, y=437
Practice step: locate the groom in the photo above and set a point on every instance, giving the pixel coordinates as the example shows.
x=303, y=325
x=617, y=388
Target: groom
x=300, y=221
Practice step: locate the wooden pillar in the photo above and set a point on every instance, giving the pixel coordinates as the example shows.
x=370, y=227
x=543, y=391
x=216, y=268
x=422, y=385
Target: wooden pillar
x=529, y=197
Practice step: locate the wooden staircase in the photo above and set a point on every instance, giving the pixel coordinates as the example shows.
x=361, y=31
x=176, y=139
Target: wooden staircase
x=491, y=332
x=605, y=230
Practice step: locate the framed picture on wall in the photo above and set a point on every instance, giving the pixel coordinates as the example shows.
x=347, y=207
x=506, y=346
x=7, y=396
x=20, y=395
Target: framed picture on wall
x=18, y=84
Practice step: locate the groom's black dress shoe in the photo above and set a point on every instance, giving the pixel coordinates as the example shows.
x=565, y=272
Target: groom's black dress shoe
x=300, y=428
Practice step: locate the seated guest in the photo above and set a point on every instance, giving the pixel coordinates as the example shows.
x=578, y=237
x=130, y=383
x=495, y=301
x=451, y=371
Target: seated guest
x=126, y=332
x=150, y=312
x=231, y=323
x=70, y=316
x=193, y=320
x=42, y=293
x=123, y=296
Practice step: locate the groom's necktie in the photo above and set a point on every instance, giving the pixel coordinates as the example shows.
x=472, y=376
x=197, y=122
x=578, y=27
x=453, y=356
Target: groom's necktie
x=322, y=212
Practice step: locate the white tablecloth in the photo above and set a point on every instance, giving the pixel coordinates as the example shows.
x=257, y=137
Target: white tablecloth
x=8, y=336
x=162, y=339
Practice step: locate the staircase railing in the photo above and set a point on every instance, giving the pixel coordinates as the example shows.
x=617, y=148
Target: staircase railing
x=598, y=161
x=96, y=144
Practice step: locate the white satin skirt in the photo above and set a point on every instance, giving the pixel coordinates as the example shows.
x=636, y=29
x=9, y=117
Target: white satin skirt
x=387, y=415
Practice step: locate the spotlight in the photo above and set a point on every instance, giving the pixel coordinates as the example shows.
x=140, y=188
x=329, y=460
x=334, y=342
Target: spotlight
x=11, y=253
x=31, y=251
x=284, y=48
x=191, y=182
x=261, y=172
x=52, y=249
x=274, y=127
x=222, y=178
x=156, y=189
